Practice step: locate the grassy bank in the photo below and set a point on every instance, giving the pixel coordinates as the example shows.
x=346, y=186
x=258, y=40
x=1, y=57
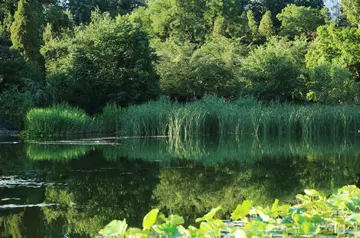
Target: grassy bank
x=208, y=116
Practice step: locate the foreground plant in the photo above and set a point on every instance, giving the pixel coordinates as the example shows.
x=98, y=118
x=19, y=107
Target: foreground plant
x=313, y=214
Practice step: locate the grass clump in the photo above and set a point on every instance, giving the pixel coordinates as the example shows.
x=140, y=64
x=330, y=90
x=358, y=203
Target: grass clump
x=59, y=119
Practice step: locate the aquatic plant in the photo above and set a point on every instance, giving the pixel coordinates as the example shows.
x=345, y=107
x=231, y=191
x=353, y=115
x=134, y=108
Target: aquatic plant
x=208, y=116
x=59, y=119
x=313, y=214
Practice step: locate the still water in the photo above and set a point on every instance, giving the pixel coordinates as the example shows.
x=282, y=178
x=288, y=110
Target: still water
x=72, y=188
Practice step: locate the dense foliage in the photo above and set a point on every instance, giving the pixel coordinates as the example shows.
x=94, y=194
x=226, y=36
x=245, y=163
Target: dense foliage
x=91, y=53
x=313, y=215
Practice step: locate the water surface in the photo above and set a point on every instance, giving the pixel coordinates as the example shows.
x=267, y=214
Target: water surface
x=73, y=187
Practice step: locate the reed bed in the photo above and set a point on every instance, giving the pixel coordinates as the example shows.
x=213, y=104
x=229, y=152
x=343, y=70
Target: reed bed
x=59, y=119
x=209, y=116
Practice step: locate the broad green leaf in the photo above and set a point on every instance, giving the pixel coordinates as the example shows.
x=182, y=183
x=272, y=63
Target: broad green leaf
x=309, y=228
x=269, y=227
x=354, y=218
x=356, y=201
x=283, y=210
x=241, y=211
x=299, y=219
x=297, y=210
x=275, y=205
x=114, y=228
x=311, y=192
x=239, y=234
x=136, y=233
x=317, y=219
x=339, y=197
x=150, y=219
x=176, y=220
x=210, y=215
x=303, y=197
x=192, y=232
x=263, y=216
x=351, y=207
x=170, y=230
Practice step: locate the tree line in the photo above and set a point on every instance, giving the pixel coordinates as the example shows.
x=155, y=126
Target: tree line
x=88, y=53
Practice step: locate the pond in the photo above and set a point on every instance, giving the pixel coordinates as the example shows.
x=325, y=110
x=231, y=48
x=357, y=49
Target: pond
x=73, y=187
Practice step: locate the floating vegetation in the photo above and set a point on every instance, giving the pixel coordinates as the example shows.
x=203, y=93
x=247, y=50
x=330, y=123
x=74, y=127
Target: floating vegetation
x=312, y=215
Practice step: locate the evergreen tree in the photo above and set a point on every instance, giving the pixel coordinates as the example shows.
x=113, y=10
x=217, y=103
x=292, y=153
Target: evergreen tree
x=7, y=10
x=252, y=23
x=26, y=30
x=266, y=27
x=352, y=11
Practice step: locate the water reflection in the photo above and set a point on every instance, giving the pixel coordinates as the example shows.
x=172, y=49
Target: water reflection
x=80, y=187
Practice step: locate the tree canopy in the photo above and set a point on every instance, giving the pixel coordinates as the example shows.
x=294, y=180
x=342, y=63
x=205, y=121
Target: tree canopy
x=131, y=51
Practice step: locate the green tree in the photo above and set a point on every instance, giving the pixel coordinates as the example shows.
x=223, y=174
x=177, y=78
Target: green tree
x=106, y=61
x=275, y=6
x=26, y=30
x=266, y=27
x=253, y=26
x=192, y=21
x=7, y=10
x=58, y=18
x=351, y=11
x=297, y=20
x=81, y=9
x=340, y=45
x=331, y=83
x=20, y=88
x=211, y=69
x=272, y=72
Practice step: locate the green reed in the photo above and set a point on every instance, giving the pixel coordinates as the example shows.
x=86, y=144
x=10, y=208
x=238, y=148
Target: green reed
x=59, y=119
x=209, y=116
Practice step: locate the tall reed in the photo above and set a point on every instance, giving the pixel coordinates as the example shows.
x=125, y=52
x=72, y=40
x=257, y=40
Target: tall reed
x=209, y=116
x=58, y=119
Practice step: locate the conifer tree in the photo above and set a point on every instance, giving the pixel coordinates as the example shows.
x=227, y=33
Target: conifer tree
x=352, y=11
x=26, y=30
x=252, y=23
x=266, y=27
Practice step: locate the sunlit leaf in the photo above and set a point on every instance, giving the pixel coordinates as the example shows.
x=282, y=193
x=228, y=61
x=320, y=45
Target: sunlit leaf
x=317, y=219
x=241, y=211
x=114, y=228
x=209, y=215
x=299, y=219
x=239, y=234
x=309, y=228
x=176, y=220
x=311, y=192
x=150, y=219
x=263, y=216
x=303, y=197
x=354, y=218
x=283, y=210
x=136, y=233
